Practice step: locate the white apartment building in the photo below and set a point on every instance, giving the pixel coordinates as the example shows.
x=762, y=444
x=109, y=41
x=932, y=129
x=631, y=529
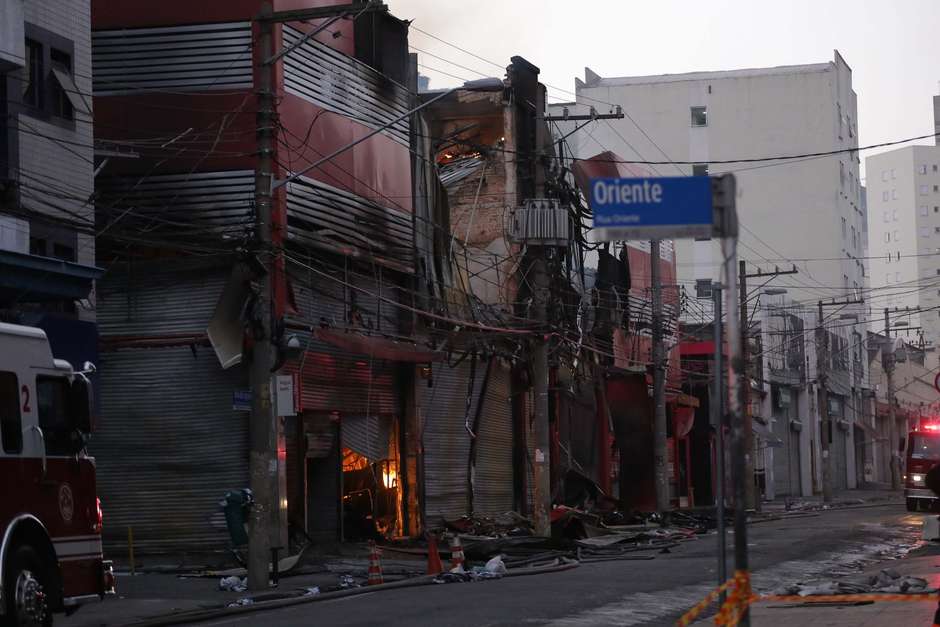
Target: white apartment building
x=789, y=210
x=903, y=192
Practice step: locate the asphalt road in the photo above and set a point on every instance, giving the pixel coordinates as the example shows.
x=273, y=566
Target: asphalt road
x=652, y=592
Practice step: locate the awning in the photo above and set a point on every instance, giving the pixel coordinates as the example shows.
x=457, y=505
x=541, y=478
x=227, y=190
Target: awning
x=32, y=278
x=377, y=347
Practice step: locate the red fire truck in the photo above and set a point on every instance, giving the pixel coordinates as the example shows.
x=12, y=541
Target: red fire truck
x=923, y=453
x=50, y=516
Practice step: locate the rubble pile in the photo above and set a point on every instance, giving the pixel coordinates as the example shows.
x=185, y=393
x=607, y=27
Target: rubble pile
x=886, y=581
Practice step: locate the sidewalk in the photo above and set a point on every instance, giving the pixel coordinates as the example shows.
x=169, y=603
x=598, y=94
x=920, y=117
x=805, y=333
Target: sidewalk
x=156, y=594
x=843, y=498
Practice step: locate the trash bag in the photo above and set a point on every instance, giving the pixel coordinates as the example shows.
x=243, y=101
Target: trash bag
x=496, y=566
x=233, y=584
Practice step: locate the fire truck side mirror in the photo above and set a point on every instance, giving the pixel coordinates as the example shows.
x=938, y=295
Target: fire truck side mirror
x=83, y=403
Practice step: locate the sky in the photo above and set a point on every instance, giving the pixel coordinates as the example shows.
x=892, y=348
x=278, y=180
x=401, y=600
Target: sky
x=892, y=46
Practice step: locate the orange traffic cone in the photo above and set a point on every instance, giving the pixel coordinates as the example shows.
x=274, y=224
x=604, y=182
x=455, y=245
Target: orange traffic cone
x=456, y=554
x=434, y=557
x=375, y=566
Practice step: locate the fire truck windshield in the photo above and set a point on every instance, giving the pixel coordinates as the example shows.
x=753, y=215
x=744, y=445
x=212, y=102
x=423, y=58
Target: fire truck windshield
x=925, y=447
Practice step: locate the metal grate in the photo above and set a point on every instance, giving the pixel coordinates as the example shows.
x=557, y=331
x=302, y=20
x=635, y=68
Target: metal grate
x=187, y=58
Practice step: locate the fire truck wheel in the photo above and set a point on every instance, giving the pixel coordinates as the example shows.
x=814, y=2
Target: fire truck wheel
x=26, y=583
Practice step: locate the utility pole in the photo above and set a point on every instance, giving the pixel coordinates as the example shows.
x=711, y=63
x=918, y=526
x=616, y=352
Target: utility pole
x=717, y=410
x=751, y=490
x=543, y=487
x=736, y=385
x=887, y=357
x=660, y=454
x=262, y=462
x=822, y=393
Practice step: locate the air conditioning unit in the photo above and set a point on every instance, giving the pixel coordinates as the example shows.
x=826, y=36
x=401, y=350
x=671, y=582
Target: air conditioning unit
x=542, y=221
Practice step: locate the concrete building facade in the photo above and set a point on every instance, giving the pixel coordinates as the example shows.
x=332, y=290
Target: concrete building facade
x=789, y=210
x=903, y=193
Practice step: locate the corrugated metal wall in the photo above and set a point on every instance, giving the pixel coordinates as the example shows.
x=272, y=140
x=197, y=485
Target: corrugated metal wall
x=335, y=379
x=493, y=484
x=340, y=83
x=192, y=207
x=329, y=218
x=200, y=56
x=159, y=297
x=167, y=442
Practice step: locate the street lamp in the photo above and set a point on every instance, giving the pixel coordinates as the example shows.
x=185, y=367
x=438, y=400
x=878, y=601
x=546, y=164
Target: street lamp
x=480, y=84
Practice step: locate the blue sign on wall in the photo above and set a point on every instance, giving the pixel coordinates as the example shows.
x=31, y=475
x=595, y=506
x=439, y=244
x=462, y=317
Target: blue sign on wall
x=652, y=208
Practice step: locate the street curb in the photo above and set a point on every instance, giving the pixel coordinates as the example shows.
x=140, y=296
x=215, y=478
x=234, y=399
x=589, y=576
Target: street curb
x=193, y=616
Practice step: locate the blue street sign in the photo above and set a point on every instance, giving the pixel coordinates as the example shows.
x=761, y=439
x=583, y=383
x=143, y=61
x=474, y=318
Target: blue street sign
x=241, y=400
x=652, y=208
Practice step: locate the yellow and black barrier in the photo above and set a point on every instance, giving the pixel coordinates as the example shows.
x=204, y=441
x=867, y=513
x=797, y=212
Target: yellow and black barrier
x=740, y=597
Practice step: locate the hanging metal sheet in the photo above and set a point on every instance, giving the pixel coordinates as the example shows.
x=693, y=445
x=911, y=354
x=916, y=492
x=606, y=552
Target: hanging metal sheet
x=493, y=483
x=168, y=446
x=367, y=435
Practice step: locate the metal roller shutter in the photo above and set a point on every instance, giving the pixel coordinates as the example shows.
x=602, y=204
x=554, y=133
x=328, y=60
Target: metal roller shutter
x=445, y=440
x=168, y=446
x=493, y=483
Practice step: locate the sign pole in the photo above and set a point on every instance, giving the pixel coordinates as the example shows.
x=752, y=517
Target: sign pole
x=717, y=409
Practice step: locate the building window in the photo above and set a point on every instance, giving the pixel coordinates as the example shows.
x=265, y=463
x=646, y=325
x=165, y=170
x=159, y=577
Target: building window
x=924, y=231
x=37, y=246
x=936, y=188
x=63, y=252
x=854, y=238
x=63, y=89
x=887, y=216
x=936, y=229
x=700, y=169
x=893, y=174
x=924, y=189
x=923, y=169
x=888, y=279
x=703, y=288
x=884, y=196
x=897, y=235
x=887, y=236
x=841, y=175
x=923, y=210
x=843, y=227
x=935, y=167
x=11, y=423
x=32, y=75
x=699, y=116
x=894, y=194
x=884, y=176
